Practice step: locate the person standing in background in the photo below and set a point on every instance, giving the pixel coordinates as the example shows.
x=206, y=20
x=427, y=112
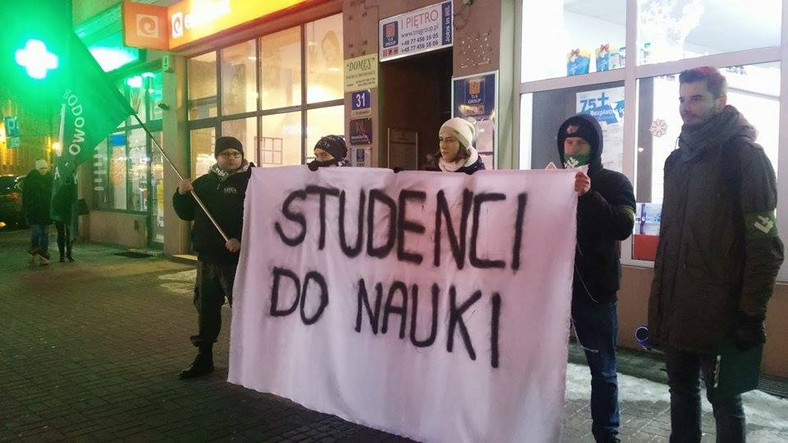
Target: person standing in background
x=36, y=198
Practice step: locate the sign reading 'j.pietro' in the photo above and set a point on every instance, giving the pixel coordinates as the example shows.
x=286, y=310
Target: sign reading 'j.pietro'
x=422, y=30
x=434, y=306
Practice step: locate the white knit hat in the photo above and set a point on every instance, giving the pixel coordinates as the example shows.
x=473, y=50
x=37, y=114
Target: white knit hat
x=460, y=128
x=41, y=163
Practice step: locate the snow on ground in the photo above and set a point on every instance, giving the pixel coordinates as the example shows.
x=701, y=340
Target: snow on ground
x=761, y=408
x=179, y=282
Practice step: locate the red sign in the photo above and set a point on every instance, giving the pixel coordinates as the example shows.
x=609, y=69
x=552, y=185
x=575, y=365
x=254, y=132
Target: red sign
x=145, y=26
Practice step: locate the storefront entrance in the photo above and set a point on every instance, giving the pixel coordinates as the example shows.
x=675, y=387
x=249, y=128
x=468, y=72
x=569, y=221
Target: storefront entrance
x=415, y=98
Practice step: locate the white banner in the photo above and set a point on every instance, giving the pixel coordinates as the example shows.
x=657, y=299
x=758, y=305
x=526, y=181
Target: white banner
x=430, y=305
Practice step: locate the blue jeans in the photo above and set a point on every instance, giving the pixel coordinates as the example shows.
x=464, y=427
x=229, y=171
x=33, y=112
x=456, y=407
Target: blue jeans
x=596, y=326
x=39, y=238
x=684, y=371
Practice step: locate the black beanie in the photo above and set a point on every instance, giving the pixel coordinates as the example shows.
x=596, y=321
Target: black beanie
x=585, y=127
x=334, y=145
x=224, y=143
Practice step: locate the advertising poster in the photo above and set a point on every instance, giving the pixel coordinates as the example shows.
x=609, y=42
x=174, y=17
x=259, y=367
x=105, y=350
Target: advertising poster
x=607, y=107
x=474, y=98
x=361, y=131
x=361, y=73
x=422, y=30
x=361, y=156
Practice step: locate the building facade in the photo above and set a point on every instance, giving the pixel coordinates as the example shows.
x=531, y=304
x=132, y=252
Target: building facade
x=281, y=77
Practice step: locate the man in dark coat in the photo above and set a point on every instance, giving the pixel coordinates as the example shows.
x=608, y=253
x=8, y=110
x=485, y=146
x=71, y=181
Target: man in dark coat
x=36, y=198
x=605, y=215
x=718, y=253
x=222, y=191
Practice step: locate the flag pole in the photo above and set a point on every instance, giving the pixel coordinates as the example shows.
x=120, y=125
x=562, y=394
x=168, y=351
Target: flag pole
x=172, y=165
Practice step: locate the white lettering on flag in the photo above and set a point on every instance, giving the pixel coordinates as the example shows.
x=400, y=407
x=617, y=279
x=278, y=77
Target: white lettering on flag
x=431, y=305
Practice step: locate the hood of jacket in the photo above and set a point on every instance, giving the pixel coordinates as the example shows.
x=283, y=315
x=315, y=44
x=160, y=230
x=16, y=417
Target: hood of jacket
x=590, y=131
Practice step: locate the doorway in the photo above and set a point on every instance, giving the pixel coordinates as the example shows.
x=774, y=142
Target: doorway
x=415, y=97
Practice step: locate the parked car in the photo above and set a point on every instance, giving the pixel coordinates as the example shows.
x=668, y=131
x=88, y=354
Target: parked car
x=11, y=201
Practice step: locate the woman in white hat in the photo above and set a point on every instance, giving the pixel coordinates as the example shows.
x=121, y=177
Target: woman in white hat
x=457, y=153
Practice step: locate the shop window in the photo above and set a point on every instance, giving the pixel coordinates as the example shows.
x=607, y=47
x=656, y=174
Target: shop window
x=155, y=92
x=324, y=59
x=101, y=183
x=753, y=89
x=202, y=86
x=280, y=143
x=201, y=145
x=244, y=130
x=117, y=171
x=320, y=122
x=122, y=90
x=239, y=78
x=139, y=164
x=158, y=198
x=679, y=29
x=136, y=89
x=314, y=48
x=605, y=102
x=570, y=37
x=281, y=69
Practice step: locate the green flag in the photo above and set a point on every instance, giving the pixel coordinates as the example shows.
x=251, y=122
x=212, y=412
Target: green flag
x=91, y=108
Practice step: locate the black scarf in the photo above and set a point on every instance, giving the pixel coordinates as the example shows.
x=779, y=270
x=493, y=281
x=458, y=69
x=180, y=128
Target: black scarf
x=721, y=127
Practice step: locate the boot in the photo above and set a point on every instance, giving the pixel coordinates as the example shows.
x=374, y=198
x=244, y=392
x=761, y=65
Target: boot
x=68, y=251
x=202, y=364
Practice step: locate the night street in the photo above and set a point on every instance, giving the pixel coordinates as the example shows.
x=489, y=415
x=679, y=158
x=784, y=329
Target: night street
x=92, y=350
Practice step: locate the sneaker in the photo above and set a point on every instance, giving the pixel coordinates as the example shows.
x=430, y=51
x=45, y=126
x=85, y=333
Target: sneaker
x=32, y=254
x=44, y=261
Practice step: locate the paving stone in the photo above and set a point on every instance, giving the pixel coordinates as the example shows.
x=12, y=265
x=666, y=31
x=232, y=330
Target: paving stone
x=91, y=351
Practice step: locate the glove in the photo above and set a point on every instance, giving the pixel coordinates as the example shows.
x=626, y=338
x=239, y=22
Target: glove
x=748, y=331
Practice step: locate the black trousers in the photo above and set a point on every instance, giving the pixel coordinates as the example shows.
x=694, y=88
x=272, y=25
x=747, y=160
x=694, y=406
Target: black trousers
x=63, y=239
x=684, y=373
x=214, y=285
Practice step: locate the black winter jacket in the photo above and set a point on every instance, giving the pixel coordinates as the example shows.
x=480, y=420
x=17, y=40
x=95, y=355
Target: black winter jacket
x=605, y=216
x=37, y=198
x=718, y=252
x=225, y=200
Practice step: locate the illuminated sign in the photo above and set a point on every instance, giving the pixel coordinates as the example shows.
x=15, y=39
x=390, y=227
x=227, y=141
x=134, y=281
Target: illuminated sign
x=36, y=59
x=145, y=26
x=191, y=20
x=157, y=27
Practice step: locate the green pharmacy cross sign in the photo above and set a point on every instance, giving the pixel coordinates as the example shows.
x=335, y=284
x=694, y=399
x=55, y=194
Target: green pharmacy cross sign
x=36, y=59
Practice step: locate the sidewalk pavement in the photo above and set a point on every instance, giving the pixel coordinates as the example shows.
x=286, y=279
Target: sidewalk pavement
x=91, y=351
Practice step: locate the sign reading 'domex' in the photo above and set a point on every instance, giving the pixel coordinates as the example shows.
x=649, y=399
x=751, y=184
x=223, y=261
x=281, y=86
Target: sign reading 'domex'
x=431, y=305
